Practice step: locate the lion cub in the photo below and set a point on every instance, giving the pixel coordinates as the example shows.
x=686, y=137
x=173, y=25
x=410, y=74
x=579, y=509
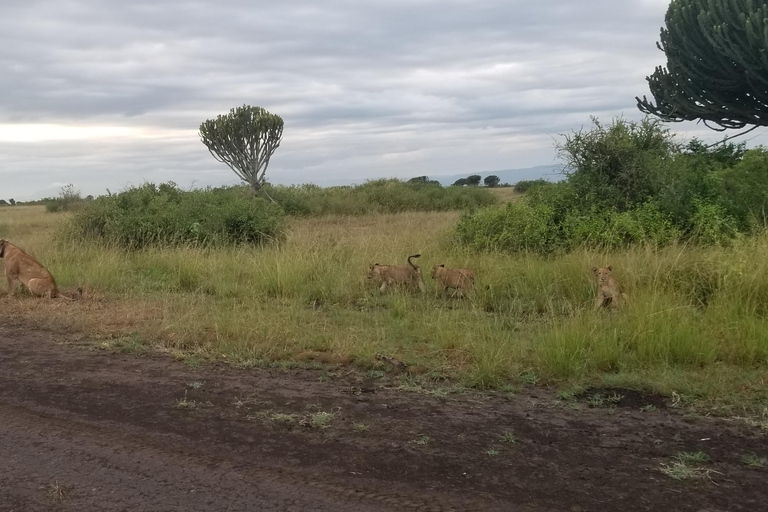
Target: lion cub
x=460, y=279
x=608, y=290
x=20, y=267
x=397, y=275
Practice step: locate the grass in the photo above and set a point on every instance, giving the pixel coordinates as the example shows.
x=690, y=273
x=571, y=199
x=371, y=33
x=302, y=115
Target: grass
x=422, y=440
x=687, y=466
x=754, y=461
x=58, y=492
x=509, y=437
x=696, y=324
x=319, y=420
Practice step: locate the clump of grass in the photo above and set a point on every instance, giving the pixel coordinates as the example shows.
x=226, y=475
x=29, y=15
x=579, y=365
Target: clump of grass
x=687, y=465
x=422, y=440
x=360, y=427
x=282, y=417
x=754, y=461
x=58, y=492
x=697, y=457
x=509, y=437
x=184, y=403
x=492, y=452
x=319, y=420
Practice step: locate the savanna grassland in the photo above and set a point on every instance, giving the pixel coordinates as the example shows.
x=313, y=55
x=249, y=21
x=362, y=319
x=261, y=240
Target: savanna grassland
x=695, y=328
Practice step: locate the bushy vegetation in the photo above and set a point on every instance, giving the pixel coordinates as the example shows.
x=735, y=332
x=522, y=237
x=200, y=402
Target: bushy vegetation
x=69, y=199
x=380, y=196
x=525, y=185
x=630, y=183
x=152, y=215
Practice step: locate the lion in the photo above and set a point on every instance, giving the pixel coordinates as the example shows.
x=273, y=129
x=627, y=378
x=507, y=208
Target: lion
x=460, y=279
x=397, y=275
x=608, y=290
x=20, y=267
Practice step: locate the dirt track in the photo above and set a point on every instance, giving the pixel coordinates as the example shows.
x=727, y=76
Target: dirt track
x=88, y=430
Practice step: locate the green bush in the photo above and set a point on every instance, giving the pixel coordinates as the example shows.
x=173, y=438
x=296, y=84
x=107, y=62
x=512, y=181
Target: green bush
x=525, y=185
x=166, y=215
x=620, y=165
x=535, y=226
x=522, y=226
x=711, y=224
x=631, y=183
x=68, y=200
x=380, y=196
x=744, y=189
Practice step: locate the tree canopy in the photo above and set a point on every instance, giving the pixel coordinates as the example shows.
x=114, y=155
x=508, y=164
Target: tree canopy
x=245, y=140
x=491, y=181
x=717, y=57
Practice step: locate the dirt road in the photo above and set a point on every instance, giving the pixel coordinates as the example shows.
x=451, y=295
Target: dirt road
x=84, y=429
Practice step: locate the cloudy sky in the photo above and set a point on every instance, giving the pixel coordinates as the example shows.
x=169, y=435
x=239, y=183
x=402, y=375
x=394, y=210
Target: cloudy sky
x=107, y=93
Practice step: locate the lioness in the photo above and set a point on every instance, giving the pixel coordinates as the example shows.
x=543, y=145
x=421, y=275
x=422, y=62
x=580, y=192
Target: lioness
x=391, y=275
x=460, y=279
x=20, y=267
x=608, y=290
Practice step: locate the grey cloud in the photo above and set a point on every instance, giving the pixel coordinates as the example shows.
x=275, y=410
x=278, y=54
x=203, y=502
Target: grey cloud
x=366, y=88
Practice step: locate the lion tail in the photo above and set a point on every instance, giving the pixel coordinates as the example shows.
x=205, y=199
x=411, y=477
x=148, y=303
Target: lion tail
x=411, y=263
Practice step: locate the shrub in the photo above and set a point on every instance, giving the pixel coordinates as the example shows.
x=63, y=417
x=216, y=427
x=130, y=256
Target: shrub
x=524, y=185
x=535, y=226
x=166, y=215
x=518, y=226
x=620, y=165
x=380, y=196
x=711, y=224
x=68, y=200
x=744, y=189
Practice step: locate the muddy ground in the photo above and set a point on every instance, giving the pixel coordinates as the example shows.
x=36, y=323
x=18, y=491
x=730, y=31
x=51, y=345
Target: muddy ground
x=87, y=429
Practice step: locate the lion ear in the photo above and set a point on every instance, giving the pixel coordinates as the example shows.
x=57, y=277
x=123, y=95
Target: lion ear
x=443, y=266
x=610, y=268
x=594, y=269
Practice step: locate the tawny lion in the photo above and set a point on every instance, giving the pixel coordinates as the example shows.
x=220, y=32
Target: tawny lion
x=20, y=267
x=608, y=290
x=397, y=275
x=460, y=279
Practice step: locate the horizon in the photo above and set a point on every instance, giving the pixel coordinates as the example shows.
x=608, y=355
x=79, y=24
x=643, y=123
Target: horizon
x=106, y=94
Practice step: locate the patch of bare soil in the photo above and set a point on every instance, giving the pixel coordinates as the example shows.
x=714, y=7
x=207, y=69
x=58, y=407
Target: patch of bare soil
x=84, y=429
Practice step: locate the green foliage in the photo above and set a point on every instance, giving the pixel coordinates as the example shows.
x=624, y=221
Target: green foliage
x=424, y=180
x=245, y=140
x=68, y=200
x=380, y=196
x=715, y=70
x=525, y=185
x=711, y=224
x=492, y=180
x=631, y=183
x=522, y=226
x=744, y=189
x=163, y=214
x=620, y=165
x=473, y=180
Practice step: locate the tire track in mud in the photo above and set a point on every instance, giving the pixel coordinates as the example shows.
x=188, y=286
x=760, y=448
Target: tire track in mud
x=93, y=419
x=44, y=438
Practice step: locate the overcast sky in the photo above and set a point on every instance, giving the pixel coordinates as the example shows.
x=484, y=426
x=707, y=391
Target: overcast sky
x=107, y=93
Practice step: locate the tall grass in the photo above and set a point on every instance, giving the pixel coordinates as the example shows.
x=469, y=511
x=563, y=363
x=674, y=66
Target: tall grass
x=696, y=322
